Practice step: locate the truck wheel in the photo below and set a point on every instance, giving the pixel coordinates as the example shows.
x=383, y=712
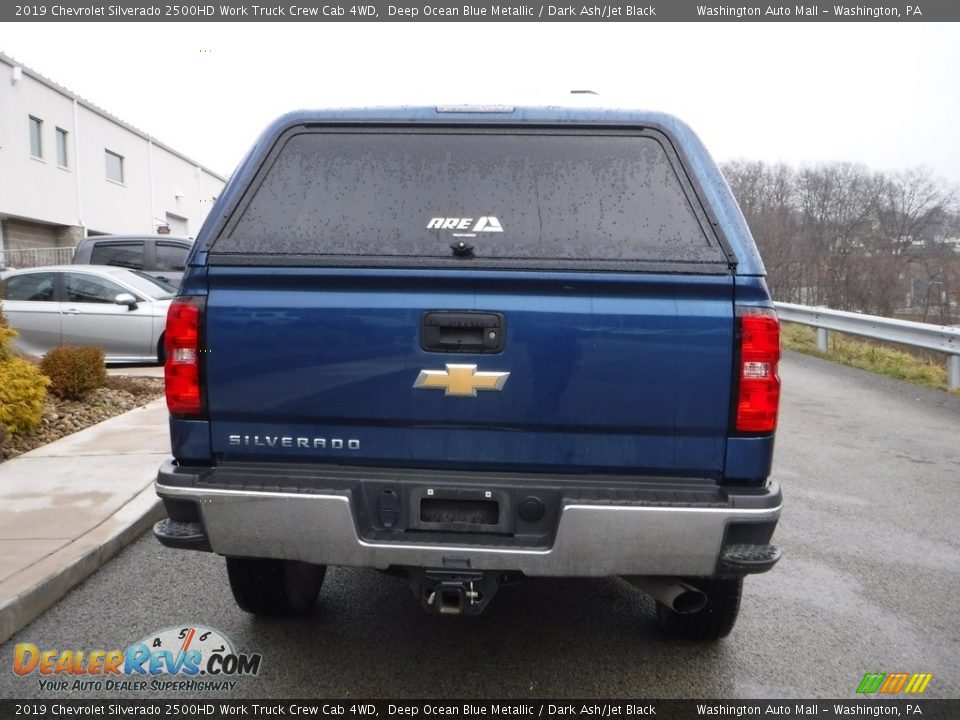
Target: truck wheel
x=714, y=621
x=263, y=586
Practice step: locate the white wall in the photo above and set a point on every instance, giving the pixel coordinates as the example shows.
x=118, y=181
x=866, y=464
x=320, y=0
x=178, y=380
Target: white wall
x=29, y=187
x=109, y=206
x=81, y=194
x=176, y=190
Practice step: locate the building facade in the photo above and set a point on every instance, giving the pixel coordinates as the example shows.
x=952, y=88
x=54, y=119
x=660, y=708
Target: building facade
x=69, y=170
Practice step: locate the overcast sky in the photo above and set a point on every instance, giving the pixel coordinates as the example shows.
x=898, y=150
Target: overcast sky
x=885, y=94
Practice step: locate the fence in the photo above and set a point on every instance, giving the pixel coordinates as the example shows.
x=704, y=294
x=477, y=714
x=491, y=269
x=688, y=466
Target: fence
x=941, y=338
x=35, y=257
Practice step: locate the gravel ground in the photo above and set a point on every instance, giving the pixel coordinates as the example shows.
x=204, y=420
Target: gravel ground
x=65, y=417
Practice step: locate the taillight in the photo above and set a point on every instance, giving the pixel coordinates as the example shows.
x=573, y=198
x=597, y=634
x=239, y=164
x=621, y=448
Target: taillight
x=182, y=368
x=758, y=393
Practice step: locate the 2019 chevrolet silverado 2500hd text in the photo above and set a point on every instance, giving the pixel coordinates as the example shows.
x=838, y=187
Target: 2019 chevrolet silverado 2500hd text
x=467, y=345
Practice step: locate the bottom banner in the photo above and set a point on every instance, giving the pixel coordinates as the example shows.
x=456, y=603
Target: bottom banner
x=671, y=709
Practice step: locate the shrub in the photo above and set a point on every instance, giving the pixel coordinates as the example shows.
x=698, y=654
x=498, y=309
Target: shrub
x=22, y=387
x=6, y=335
x=74, y=372
x=22, y=390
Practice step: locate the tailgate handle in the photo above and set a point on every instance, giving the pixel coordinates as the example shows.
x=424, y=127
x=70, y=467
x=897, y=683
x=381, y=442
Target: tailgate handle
x=465, y=332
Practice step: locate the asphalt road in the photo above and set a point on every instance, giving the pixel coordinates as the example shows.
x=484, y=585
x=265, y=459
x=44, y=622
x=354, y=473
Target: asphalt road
x=869, y=582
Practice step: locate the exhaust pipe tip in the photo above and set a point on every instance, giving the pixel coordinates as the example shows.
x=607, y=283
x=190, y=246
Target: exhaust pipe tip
x=689, y=601
x=679, y=596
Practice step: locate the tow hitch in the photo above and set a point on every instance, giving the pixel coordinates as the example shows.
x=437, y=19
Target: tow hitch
x=456, y=592
x=449, y=598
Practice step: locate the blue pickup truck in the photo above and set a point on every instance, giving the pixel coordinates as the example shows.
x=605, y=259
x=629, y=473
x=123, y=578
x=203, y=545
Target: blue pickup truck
x=468, y=345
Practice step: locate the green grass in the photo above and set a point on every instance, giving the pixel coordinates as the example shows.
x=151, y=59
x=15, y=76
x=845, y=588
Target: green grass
x=868, y=355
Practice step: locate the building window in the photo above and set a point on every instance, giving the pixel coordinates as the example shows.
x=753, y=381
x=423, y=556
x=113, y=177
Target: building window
x=62, y=148
x=114, y=166
x=36, y=137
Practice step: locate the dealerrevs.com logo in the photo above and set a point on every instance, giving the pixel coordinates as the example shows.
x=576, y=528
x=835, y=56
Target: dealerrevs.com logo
x=185, y=658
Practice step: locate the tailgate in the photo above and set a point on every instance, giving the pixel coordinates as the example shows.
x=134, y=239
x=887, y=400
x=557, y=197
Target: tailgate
x=605, y=372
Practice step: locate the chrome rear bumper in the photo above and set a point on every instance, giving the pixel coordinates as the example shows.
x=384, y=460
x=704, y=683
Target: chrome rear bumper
x=591, y=539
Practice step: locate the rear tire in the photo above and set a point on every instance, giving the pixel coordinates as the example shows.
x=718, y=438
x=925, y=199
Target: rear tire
x=161, y=351
x=263, y=586
x=714, y=621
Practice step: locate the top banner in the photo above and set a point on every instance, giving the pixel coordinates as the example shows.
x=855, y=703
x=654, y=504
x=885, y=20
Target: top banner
x=473, y=11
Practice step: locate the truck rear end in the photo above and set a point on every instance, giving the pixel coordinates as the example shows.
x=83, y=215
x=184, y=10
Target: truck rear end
x=468, y=346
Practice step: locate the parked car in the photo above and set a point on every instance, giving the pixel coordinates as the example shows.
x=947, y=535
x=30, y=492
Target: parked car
x=162, y=256
x=122, y=311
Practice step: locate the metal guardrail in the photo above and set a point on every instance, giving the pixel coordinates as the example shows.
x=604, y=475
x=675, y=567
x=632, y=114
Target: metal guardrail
x=36, y=257
x=941, y=338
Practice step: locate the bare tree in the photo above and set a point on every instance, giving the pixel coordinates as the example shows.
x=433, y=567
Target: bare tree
x=767, y=197
x=840, y=235
x=940, y=263
x=909, y=207
x=835, y=203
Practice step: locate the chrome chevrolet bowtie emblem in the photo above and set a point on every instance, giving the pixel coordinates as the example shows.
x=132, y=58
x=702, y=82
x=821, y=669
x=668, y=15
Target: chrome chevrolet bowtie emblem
x=463, y=380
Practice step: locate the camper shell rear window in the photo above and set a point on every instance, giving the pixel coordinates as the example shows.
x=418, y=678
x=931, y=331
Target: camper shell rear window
x=473, y=198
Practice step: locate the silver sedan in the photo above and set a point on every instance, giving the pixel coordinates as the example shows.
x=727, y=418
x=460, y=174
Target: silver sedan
x=122, y=311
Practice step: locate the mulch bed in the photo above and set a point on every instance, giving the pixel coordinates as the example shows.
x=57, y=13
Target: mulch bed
x=65, y=417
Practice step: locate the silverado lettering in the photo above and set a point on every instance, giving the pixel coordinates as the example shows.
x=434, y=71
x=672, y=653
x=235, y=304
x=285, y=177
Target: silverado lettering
x=588, y=387
x=289, y=442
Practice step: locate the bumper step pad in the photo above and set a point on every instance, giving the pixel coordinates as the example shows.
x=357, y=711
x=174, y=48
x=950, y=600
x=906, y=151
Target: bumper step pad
x=748, y=559
x=182, y=534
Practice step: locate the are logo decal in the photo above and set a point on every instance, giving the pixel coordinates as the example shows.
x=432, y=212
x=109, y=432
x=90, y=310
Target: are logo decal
x=468, y=226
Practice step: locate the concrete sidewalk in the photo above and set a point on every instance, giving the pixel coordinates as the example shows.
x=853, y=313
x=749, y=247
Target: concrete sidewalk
x=69, y=506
